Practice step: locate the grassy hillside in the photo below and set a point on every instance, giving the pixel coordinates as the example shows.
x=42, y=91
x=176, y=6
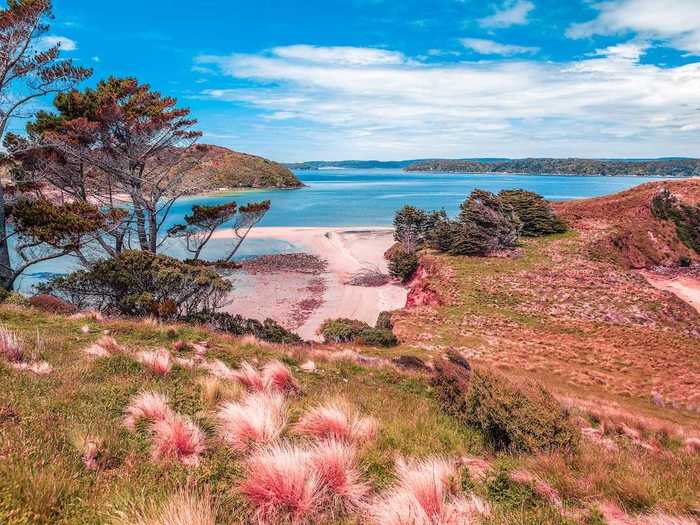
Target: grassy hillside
x=239, y=438
x=224, y=168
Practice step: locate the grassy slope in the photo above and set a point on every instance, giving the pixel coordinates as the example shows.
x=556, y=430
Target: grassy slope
x=42, y=479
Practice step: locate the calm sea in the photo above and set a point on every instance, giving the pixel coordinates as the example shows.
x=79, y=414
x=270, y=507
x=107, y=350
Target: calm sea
x=347, y=197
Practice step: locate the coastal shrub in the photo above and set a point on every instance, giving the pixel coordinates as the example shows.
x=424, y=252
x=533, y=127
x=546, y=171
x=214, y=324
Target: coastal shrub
x=666, y=206
x=267, y=330
x=377, y=337
x=353, y=331
x=412, y=226
x=485, y=224
x=51, y=304
x=403, y=264
x=138, y=283
x=342, y=330
x=384, y=321
x=521, y=418
x=534, y=212
x=516, y=417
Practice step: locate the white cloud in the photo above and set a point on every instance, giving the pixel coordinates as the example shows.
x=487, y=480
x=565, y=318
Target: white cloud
x=491, y=47
x=607, y=104
x=675, y=22
x=49, y=41
x=510, y=13
x=350, y=56
x=96, y=59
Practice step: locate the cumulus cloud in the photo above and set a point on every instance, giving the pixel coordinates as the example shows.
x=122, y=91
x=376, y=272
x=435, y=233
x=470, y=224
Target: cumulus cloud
x=491, y=47
x=510, y=13
x=605, y=104
x=350, y=56
x=49, y=41
x=675, y=22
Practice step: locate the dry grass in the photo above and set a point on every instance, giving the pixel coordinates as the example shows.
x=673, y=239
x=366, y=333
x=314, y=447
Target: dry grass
x=183, y=508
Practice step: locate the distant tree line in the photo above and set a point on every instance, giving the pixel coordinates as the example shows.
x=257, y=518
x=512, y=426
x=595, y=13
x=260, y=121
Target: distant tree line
x=572, y=166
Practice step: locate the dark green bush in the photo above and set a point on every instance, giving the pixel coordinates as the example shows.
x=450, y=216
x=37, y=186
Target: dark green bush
x=353, y=331
x=138, y=283
x=342, y=330
x=519, y=418
x=384, y=321
x=666, y=206
x=268, y=330
x=377, y=337
x=534, y=212
x=403, y=264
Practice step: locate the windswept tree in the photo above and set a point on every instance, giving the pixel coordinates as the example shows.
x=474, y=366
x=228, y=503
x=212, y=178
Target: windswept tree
x=201, y=224
x=121, y=138
x=248, y=217
x=28, y=71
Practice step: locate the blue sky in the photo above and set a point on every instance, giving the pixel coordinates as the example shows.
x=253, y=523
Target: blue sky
x=374, y=79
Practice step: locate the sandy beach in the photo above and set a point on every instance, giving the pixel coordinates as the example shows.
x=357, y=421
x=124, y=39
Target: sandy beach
x=280, y=295
x=684, y=287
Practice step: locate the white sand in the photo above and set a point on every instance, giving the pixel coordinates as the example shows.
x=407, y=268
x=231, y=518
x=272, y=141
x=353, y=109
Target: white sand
x=347, y=251
x=685, y=288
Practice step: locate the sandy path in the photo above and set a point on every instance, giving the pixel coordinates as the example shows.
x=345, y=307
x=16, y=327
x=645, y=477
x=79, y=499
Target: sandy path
x=686, y=288
x=347, y=250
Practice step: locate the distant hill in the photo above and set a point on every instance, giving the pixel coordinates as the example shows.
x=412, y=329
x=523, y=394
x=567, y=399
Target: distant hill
x=225, y=168
x=631, y=167
x=367, y=164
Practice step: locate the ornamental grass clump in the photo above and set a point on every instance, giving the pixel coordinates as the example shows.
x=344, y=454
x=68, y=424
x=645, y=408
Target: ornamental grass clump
x=259, y=418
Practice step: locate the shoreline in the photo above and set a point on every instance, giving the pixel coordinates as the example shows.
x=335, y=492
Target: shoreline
x=346, y=250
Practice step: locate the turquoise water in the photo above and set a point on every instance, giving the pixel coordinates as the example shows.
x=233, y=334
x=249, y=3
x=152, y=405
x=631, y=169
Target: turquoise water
x=350, y=197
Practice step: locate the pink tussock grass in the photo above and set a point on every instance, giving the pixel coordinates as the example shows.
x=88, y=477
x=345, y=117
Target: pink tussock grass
x=540, y=486
x=424, y=495
x=105, y=346
x=11, y=347
x=335, y=462
x=614, y=515
x=337, y=420
x=282, y=486
x=178, y=438
x=159, y=361
x=219, y=369
x=40, y=368
x=250, y=377
x=150, y=406
x=258, y=418
x=277, y=376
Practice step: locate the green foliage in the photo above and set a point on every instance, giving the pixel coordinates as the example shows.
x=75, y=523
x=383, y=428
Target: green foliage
x=353, y=331
x=342, y=330
x=666, y=206
x=485, y=224
x=268, y=330
x=377, y=337
x=412, y=226
x=403, y=264
x=141, y=283
x=519, y=418
x=61, y=225
x=384, y=321
x=534, y=212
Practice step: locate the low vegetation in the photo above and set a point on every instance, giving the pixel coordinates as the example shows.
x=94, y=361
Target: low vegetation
x=359, y=332
x=666, y=206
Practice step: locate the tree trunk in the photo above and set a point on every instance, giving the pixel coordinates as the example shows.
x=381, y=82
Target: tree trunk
x=153, y=231
x=141, y=225
x=6, y=274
